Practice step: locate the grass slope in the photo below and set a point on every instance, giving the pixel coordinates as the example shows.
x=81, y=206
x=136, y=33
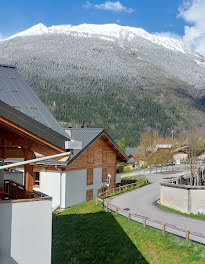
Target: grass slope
x=197, y=216
x=85, y=234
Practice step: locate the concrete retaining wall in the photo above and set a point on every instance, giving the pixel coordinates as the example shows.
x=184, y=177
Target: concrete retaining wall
x=183, y=198
x=25, y=231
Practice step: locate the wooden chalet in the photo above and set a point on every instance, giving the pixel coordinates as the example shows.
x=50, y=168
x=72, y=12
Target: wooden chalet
x=26, y=128
x=81, y=177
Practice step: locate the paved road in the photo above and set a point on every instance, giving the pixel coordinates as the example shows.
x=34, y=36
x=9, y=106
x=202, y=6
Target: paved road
x=154, y=170
x=143, y=202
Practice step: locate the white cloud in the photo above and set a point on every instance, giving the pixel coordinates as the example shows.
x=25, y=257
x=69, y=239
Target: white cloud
x=193, y=12
x=110, y=6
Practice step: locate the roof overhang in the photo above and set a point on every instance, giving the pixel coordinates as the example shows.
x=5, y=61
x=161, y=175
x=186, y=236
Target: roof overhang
x=16, y=120
x=121, y=156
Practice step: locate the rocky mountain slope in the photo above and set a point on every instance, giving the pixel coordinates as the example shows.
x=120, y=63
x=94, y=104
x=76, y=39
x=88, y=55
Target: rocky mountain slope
x=121, y=78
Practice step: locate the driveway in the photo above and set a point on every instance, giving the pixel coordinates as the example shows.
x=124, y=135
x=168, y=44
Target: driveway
x=143, y=202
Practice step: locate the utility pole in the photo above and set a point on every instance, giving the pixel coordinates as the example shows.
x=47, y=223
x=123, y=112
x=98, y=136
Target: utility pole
x=172, y=132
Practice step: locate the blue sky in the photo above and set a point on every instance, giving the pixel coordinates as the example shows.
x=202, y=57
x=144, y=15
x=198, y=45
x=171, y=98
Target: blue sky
x=152, y=15
x=182, y=19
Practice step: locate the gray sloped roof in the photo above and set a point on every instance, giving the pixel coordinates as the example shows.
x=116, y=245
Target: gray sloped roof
x=32, y=125
x=130, y=151
x=14, y=91
x=87, y=136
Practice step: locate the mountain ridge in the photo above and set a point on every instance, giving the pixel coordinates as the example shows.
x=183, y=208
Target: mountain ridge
x=108, y=30
x=84, y=79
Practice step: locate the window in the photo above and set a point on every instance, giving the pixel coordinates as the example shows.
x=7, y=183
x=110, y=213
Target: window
x=36, y=179
x=89, y=176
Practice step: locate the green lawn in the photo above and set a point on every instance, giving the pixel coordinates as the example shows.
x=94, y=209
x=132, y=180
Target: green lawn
x=198, y=216
x=85, y=234
x=132, y=179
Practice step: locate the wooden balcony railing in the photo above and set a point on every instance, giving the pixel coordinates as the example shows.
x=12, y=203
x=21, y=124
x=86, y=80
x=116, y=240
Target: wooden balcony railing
x=14, y=190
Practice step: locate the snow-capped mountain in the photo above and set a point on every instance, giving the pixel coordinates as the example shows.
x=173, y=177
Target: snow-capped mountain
x=109, y=32
x=169, y=55
x=73, y=67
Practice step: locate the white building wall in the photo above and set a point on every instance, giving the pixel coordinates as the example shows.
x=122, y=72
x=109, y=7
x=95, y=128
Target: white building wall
x=75, y=187
x=26, y=231
x=97, y=181
x=50, y=185
x=68, y=188
x=63, y=190
x=5, y=228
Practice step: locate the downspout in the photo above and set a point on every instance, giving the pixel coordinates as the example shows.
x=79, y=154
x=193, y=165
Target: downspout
x=61, y=174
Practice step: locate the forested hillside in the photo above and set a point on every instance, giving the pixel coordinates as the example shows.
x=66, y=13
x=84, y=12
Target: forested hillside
x=125, y=86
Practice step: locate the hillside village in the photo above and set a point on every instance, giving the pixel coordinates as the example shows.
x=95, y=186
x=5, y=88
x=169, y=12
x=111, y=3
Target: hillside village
x=102, y=134
x=46, y=169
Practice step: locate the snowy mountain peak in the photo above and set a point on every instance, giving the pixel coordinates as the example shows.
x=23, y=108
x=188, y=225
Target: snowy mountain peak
x=38, y=29
x=110, y=32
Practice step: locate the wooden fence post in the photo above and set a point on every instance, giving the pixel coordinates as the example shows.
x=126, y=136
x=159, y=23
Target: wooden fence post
x=164, y=229
x=187, y=236
x=106, y=207
x=113, y=191
x=129, y=216
x=120, y=189
x=97, y=201
x=145, y=221
x=116, y=210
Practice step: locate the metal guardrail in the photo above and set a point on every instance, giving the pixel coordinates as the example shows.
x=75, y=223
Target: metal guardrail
x=189, y=235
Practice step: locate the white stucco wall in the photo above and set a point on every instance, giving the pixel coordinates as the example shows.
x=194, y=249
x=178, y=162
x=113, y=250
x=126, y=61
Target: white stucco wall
x=71, y=189
x=175, y=198
x=25, y=231
x=197, y=201
x=97, y=181
x=50, y=185
x=185, y=199
x=5, y=228
x=75, y=187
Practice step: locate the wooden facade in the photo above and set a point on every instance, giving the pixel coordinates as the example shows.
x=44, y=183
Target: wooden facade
x=99, y=154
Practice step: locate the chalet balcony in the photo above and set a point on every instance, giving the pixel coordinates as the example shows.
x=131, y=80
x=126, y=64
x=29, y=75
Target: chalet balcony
x=24, y=221
x=16, y=191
